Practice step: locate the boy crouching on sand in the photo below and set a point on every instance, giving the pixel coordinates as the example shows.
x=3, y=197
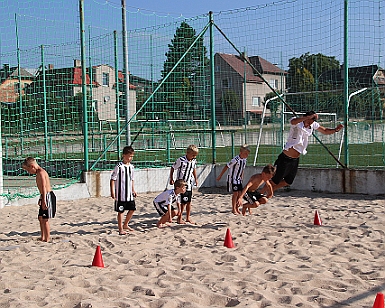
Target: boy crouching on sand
x=250, y=191
x=163, y=203
x=47, y=201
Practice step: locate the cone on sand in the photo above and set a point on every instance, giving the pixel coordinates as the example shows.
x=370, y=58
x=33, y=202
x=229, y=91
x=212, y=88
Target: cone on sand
x=229, y=240
x=379, y=301
x=317, y=219
x=98, y=260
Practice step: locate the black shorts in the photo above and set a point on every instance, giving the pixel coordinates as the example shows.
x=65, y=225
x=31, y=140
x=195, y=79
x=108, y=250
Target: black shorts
x=253, y=196
x=286, y=169
x=186, y=197
x=50, y=200
x=121, y=206
x=231, y=187
x=162, y=208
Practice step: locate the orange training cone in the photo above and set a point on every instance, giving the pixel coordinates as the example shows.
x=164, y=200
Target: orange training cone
x=317, y=219
x=379, y=301
x=229, y=240
x=98, y=260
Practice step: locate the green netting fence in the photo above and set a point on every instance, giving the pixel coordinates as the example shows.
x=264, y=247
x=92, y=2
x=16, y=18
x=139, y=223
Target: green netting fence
x=217, y=80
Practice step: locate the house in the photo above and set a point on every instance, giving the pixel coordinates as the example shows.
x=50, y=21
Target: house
x=104, y=93
x=66, y=83
x=359, y=77
x=239, y=91
x=9, y=82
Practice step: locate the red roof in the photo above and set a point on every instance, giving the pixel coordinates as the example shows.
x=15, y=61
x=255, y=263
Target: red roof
x=262, y=66
x=77, y=77
x=121, y=80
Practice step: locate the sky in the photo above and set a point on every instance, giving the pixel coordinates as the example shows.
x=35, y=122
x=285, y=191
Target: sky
x=307, y=25
x=186, y=8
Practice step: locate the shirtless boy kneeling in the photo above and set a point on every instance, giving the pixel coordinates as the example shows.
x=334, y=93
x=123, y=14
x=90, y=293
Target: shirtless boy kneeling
x=250, y=192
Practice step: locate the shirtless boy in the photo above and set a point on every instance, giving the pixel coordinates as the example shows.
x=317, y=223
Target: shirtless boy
x=47, y=201
x=250, y=191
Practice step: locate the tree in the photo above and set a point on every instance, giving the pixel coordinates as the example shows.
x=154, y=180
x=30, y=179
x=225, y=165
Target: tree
x=180, y=89
x=231, y=105
x=302, y=80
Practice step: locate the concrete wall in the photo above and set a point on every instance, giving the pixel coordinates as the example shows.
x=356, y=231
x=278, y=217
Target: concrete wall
x=97, y=183
x=320, y=180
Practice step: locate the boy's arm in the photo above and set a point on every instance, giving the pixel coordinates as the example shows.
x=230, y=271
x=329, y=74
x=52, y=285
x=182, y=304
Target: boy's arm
x=179, y=208
x=244, y=190
x=42, y=182
x=270, y=191
x=223, y=171
x=169, y=212
x=133, y=189
x=112, y=189
x=171, y=176
x=195, y=177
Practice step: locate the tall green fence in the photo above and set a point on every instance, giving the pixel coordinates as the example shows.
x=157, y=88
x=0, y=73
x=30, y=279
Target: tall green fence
x=217, y=80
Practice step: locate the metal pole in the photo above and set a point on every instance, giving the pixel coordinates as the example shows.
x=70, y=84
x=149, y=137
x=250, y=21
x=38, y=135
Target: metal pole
x=93, y=109
x=261, y=126
x=117, y=93
x=84, y=85
x=346, y=84
x=45, y=105
x=19, y=88
x=212, y=87
x=1, y=167
x=244, y=94
x=126, y=72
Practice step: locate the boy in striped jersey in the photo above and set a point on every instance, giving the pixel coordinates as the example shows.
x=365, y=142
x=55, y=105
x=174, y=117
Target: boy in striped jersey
x=185, y=168
x=235, y=176
x=164, y=203
x=122, y=189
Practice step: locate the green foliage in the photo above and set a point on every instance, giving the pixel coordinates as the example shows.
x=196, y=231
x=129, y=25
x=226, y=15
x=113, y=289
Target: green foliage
x=30, y=116
x=303, y=81
x=232, y=105
x=181, y=89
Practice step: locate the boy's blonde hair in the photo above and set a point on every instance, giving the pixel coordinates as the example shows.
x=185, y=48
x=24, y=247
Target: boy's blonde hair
x=179, y=183
x=245, y=148
x=29, y=161
x=192, y=148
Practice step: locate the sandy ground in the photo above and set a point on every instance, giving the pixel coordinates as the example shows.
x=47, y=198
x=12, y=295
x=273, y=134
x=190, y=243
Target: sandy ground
x=280, y=258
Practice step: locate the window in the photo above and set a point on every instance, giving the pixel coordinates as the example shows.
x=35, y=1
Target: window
x=106, y=79
x=256, y=101
x=273, y=83
x=226, y=83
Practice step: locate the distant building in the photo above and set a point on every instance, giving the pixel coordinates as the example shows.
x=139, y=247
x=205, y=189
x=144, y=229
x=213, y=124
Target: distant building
x=236, y=83
x=9, y=83
x=66, y=83
x=359, y=77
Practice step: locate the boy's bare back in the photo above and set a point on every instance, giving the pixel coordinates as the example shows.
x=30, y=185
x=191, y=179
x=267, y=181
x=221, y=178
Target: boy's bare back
x=256, y=181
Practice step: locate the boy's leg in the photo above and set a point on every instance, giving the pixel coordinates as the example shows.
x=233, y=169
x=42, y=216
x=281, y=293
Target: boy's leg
x=127, y=220
x=41, y=227
x=188, y=213
x=164, y=219
x=45, y=229
x=120, y=223
x=248, y=206
x=180, y=218
x=234, y=200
